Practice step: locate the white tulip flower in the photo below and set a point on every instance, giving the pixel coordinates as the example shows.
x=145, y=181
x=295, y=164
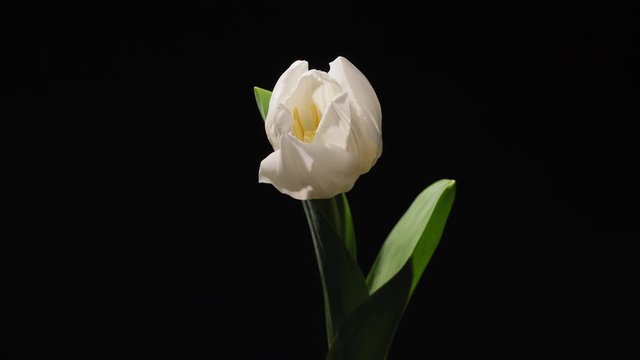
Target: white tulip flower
x=325, y=129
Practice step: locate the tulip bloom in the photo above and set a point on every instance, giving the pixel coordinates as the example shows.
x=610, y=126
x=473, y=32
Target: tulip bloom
x=325, y=129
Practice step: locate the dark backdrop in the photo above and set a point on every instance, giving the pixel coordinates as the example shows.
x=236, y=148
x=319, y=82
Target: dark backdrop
x=139, y=227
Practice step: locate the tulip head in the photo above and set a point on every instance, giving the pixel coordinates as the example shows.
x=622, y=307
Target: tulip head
x=325, y=129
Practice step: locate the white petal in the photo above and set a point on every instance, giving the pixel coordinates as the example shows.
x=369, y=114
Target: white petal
x=325, y=90
x=279, y=125
x=367, y=141
x=286, y=84
x=309, y=87
x=359, y=89
x=341, y=126
x=335, y=126
x=309, y=171
x=313, y=87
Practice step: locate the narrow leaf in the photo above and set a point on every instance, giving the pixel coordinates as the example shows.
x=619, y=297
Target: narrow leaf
x=346, y=230
x=262, y=99
x=343, y=284
x=368, y=333
x=415, y=237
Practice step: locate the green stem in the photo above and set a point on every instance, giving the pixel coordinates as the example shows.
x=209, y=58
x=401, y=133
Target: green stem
x=343, y=284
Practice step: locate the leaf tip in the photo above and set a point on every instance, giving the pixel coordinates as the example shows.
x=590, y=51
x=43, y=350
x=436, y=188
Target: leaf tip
x=449, y=184
x=262, y=99
x=256, y=92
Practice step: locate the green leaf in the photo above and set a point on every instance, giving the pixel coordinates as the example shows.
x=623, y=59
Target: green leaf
x=368, y=332
x=343, y=284
x=262, y=98
x=345, y=224
x=415, y=237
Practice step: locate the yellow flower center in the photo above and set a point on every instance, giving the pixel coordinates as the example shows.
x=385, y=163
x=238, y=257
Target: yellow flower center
x=298, y=129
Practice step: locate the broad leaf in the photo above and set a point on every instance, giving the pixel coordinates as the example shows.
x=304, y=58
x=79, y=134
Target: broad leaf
x=368, y=332
x=262, y=99
x=415, y=237
x=343, y=284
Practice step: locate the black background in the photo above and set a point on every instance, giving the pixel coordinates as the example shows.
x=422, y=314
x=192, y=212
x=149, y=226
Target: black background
x=140, y=228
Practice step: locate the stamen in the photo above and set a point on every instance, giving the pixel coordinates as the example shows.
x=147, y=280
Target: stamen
x=297, y=128
x=315, y=116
